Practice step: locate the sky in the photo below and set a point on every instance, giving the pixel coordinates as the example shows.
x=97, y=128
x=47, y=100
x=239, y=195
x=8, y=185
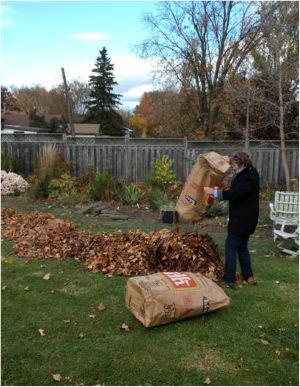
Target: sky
x=38, y=38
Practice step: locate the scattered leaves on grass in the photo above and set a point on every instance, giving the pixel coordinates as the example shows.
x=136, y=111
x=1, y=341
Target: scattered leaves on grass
x=101, y=307
x=4, y=287
x=47, y=276
x=26, y=288
x=66, y=321
x=260, y=327
x=125, y=327
x=81, y=335
x=207, y=381
x=92, y=315
x=292, y=351
x=7, y=261
x=277, y=282
x=277, y=352
x=56, y=377
x=264, y=342
x=41, y=332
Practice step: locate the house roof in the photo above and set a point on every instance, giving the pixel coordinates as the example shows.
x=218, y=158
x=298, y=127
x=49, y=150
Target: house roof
x=86, y=128
x=15, y=118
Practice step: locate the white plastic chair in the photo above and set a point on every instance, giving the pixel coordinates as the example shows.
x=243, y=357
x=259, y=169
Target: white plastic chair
x=284, y=213
x=284, y=236
x=285, y=208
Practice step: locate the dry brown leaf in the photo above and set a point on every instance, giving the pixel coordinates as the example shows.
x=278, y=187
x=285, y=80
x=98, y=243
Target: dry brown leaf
x=264, y=342
x=125, y=327
x=66, y=321
x=8, y=261
x=81, y=335
x=56, y=377
x=47, y=276
x=207, y=381
x=292, y=351
x=101, y=307
x=41, y=332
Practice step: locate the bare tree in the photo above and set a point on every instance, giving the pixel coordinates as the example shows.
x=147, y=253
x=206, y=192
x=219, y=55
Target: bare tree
x=79, y=92
x=277, y=61
x=30, y=99
x=200, y=44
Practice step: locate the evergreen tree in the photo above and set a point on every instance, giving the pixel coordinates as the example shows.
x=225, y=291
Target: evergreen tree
x=103, y=102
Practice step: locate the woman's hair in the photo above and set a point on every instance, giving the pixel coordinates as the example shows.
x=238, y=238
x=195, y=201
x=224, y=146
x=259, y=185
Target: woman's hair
x=241, y=158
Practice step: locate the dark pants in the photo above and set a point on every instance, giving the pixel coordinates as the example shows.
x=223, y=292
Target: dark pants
x=237, y=245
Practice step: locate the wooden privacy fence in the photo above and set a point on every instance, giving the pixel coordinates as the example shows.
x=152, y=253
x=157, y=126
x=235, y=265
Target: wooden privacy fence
x=130, y=159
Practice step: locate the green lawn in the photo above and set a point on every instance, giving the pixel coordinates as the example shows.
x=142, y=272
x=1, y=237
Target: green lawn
x=252, y=342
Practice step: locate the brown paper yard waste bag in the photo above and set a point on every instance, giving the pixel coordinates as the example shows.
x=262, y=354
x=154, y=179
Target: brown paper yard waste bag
x=209, y=170
x=165, y=297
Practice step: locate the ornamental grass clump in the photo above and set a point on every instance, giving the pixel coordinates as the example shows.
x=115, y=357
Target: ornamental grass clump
x=103, y=187
x=130, y=194
x=51, y=165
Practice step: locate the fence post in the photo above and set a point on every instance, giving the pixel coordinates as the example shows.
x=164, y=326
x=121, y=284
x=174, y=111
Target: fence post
x=127, y=157
x=64, y=141
x=185, y=150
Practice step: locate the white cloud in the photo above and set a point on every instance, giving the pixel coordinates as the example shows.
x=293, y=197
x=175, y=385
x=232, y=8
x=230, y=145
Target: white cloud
x=132, y=97
x=89, y=36
x=132, y=74
x=136, y=92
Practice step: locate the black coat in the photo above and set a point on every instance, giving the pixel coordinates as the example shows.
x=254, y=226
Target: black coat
x=243, y=197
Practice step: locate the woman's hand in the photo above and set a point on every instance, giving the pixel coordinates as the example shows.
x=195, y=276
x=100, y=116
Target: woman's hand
x=208, y=191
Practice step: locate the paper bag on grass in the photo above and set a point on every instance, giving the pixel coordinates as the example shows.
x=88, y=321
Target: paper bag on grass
x=165, y=297
x=208, y=171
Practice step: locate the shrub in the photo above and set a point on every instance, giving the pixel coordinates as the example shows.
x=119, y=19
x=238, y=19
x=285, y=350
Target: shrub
x=217, y=209
x=102, y=187
x=130, y=194
x=162, y=176
x=160, y=200
x=267, y=194
x=12, y=184
x=8, y=163
x=63, y=189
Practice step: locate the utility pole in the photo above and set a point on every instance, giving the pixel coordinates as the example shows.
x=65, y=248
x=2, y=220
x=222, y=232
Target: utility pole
x=69, y=106
x=247, y=147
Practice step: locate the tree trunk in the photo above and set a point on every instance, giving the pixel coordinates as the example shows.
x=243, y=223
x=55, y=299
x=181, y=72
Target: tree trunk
x=281, y=129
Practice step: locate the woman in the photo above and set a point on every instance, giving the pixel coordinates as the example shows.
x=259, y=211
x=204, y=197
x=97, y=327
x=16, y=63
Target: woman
x=243, y=197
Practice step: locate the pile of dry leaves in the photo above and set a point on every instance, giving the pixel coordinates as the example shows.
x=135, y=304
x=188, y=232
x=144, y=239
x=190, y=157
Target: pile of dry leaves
x=40, y=235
